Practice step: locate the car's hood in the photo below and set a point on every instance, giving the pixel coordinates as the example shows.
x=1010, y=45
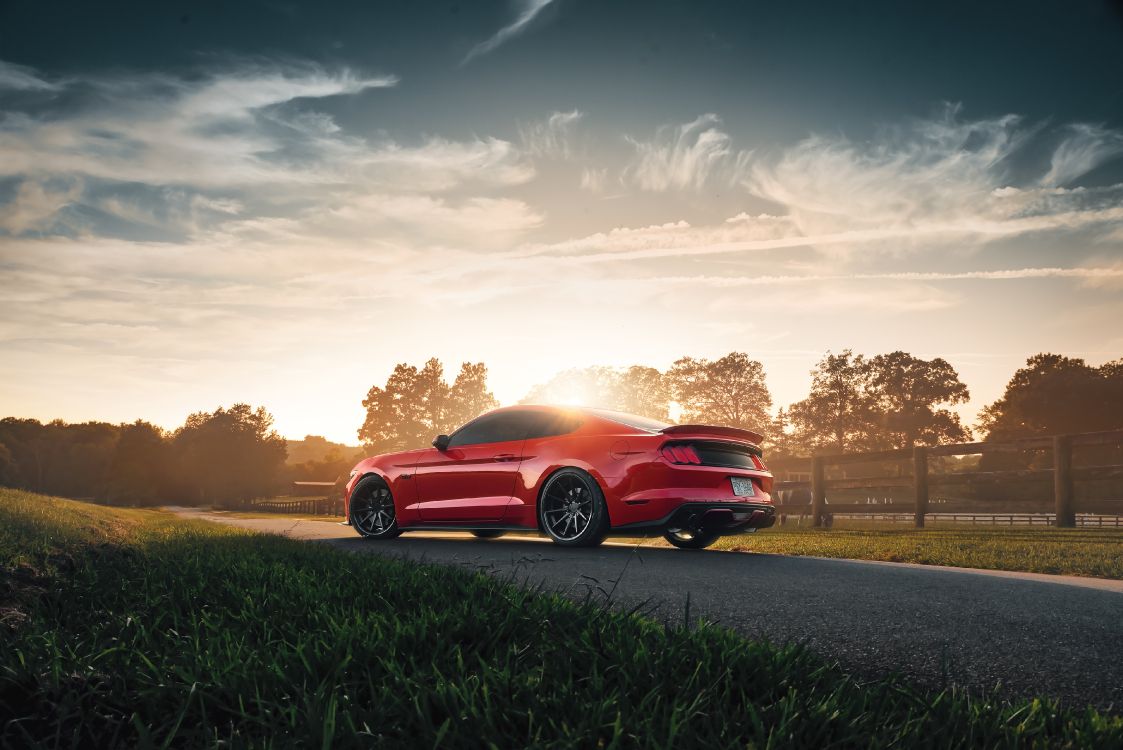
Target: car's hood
x=399, y=458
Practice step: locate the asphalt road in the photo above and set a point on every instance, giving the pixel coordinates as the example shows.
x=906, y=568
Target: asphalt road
x=1036, y=635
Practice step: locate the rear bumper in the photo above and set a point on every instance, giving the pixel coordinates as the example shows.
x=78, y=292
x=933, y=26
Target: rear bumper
x=709, y=517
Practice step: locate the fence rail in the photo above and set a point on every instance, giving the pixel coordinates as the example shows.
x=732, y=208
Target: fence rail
x=993, y=519
x=914, y=471
x=313, y=506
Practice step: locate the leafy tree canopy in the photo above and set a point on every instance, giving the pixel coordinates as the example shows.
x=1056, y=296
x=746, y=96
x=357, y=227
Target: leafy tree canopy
x=417, y=404
x=1054, y=395
x=230, y=455
x=892, y=400
x=636, y=390
x=730, y=391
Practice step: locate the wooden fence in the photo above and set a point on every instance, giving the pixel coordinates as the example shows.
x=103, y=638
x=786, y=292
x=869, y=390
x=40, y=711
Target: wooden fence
x=313, y=506
x=913, y=472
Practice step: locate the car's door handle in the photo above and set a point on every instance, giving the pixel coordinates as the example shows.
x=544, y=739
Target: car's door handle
x=505, y=457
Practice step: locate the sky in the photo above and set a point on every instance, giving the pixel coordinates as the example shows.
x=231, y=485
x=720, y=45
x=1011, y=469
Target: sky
x=275, y=202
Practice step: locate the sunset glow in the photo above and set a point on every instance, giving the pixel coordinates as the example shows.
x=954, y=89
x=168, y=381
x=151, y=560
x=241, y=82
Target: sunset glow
x=182, y=230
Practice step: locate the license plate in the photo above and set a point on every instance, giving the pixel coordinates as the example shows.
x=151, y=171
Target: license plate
x=742, y=487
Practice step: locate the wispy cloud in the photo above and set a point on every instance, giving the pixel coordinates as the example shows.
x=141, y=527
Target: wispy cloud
x=216, y=131
x=21, y=78
x=594, y=179
x=686, y=157
x=1083, y=148
x=528, y=11
x=1091, y=274
x=945, y=172
x=551, y=137
x=154, y=156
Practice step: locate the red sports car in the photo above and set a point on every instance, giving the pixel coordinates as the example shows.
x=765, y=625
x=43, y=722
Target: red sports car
x=577, y=475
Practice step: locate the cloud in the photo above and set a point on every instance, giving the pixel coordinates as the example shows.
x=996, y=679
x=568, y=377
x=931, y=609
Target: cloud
x=1093, y=276
x=686, y=157
x=530, y=9
x=594, y=180
x=213, y=132
x=20, y=78
x=160, y=156
x=437, y=164
x=944, y=176
x=35, y=203
x=424, y=220
x=1083, y=148
x=550, y=138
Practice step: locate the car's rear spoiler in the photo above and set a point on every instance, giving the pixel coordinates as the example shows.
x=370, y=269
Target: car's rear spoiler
x=703, y=430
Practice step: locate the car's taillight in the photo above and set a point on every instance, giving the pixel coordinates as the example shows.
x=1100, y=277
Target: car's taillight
x=759, y=463
x=681, y=454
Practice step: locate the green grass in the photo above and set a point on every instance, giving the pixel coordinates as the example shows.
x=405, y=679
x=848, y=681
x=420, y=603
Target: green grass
x=132, y=628
x=1082, y=551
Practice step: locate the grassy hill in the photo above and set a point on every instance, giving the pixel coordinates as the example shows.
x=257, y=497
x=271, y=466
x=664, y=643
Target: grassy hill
x=126, y=627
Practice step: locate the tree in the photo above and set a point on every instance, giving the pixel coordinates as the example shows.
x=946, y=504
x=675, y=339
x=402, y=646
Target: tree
x=839, y=412
x=636, y=390
x=908, y=396
x=142, y=466
x=468, y=397
x=25, y=443
x=644, y=391
x=75, y=458
x=1053, y=395
x=230, y=455
x=59, y=458
x=416, y=405
x=9, y=469
x=780, y=442
x=893, y=400
x=729, y=391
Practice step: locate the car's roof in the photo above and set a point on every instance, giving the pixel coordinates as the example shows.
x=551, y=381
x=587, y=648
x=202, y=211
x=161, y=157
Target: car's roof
x=635, y=421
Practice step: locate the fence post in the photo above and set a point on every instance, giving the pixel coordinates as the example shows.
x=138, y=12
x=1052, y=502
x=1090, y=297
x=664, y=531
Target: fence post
x=920, y=481
x=818, y=491
x=1062, y=481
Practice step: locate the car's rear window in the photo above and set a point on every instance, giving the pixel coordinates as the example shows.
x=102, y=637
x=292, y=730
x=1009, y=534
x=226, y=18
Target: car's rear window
x=632, y=420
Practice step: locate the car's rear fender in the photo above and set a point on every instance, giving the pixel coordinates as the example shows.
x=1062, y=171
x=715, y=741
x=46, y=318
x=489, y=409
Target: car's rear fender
x=597, y=476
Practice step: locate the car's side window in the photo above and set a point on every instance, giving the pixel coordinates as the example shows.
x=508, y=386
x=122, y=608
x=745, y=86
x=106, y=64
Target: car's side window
x=545, y=424
x=490, y=428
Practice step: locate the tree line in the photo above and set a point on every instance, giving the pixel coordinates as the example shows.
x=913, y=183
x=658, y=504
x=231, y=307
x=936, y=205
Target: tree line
x=855, y=403
x=224, y=457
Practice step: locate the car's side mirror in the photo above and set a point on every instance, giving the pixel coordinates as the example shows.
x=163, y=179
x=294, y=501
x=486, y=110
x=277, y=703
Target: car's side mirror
x=440, y=442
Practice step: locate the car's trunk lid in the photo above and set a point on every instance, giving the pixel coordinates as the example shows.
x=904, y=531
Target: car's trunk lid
x=713, y=432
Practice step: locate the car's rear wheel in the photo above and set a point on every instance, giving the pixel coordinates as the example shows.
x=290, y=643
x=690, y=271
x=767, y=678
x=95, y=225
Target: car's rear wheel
x=687, y=539
x=572, y=510
x=488, y=533
x=371, y=510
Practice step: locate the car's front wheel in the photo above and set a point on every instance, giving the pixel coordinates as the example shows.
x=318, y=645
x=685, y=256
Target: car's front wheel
x=572, y=510
x=686, y=539
x=371, y=510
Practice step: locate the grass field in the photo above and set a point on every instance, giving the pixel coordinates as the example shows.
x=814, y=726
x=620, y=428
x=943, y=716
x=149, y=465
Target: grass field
x=135, y=628
x=1082, y=552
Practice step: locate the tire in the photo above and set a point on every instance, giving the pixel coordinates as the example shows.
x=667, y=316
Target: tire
x=572, y=510
x=684, y=539
x=488, y=533
x=371, y=510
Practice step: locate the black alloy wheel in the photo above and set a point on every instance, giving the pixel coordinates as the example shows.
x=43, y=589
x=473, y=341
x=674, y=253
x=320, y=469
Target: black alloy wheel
x=371, y=511
x=571, y=509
